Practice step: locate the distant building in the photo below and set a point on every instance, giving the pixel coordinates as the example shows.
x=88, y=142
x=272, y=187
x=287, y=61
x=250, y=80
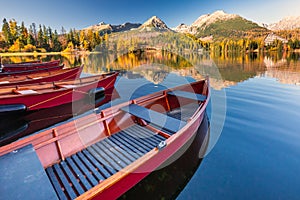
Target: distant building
x=272, y=37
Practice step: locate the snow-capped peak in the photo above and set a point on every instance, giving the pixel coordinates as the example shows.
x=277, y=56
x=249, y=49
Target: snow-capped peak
x=155, y=22
x=211, y=18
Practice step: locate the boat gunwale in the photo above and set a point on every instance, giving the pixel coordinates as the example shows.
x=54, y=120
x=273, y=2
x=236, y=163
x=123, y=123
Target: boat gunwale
x=50, y=86
x=30, y=64
x=21, y=79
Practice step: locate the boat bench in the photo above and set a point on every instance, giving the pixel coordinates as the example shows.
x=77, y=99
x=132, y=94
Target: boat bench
x=65, y=86
x=24, y=92
x=189, y=95
x=151, y=116
x=22, y=176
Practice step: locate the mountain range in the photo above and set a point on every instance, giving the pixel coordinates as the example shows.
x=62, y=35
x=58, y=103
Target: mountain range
x=287, y=23
x=109, y=28
x=218, y=25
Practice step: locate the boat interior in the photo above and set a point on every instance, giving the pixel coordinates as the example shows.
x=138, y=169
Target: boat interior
x=43, y=87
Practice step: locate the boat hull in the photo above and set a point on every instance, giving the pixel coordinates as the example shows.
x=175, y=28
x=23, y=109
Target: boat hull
x=65, y=74
x=29, y=66
x=31, y=71
x=36, y=101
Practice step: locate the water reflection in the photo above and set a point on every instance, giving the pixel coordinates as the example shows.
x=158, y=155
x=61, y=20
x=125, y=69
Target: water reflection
x=156, y=65
x=286, y=69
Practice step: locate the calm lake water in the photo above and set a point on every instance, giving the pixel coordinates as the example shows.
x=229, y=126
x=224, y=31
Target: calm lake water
x=254, y=145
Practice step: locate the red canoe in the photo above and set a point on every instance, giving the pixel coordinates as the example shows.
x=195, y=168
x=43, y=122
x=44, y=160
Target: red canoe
x=46, y=95
x=50, y=76
x=15, y=127
x=102, y=156
x=25, y=62
x=31, y=71
x=28, y=66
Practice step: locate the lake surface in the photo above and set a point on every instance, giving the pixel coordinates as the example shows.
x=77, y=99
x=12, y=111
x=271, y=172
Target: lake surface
x=254, y=118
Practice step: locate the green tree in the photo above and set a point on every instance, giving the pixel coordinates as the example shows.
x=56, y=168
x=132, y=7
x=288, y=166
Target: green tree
x=30, y=40
x=40, y=37
x=56, y=44
x=6, y=32
x=23, y=34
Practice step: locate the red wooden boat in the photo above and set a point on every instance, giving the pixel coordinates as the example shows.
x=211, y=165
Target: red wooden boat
x=31, y=71
x=102, y=156
x=28, y=66
x=33, y=61
x=14, y=99
x=17, y=126
x=50, y=76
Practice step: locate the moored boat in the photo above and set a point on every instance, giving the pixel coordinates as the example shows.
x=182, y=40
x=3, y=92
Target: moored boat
x=16, y=126
x=16, y=99
x=31, y=71
x=102, y=156
x=50, y=76
x=28, y=66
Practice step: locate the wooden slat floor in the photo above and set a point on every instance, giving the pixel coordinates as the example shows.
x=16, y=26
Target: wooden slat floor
x=87, y=168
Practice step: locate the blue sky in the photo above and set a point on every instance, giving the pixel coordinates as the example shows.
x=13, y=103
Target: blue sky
x=80, y=14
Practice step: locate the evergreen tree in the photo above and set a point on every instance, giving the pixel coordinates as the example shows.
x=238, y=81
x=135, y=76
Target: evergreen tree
x=6, y=32
x=23, y=34
x=50, y=37
x=34, y=32
x=63, y=30
x=56, y=44
x=40, y=38
x=30, y=40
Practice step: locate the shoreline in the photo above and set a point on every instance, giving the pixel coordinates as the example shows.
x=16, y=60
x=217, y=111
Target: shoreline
x=45, y=53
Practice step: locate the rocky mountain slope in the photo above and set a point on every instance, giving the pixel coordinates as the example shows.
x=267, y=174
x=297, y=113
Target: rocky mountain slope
x=154, y=23
x=108, y=28
x=219, y=25
x=287, y=23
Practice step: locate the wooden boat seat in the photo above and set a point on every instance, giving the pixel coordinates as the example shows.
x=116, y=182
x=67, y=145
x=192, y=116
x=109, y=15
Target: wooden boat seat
x=4, y=82
x=159, y=119
x=87, y=168
x=24, y=92
x=37, y=77
x=66, y=86
x=189, y=95
x=22, y=176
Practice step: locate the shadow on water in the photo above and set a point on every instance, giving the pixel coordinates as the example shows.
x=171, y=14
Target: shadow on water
x=170, y=180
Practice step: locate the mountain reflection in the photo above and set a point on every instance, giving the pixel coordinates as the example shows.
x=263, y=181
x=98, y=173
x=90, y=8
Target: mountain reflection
x=155, y=65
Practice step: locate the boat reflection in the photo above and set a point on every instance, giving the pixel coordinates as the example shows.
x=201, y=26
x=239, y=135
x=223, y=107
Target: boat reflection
x=15, y=127
x=167, y=182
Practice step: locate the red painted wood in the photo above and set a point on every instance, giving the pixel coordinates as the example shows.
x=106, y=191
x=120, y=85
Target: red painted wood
x=64, y=74
x=30, y=71
x=29, y=66
x=55, y=97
